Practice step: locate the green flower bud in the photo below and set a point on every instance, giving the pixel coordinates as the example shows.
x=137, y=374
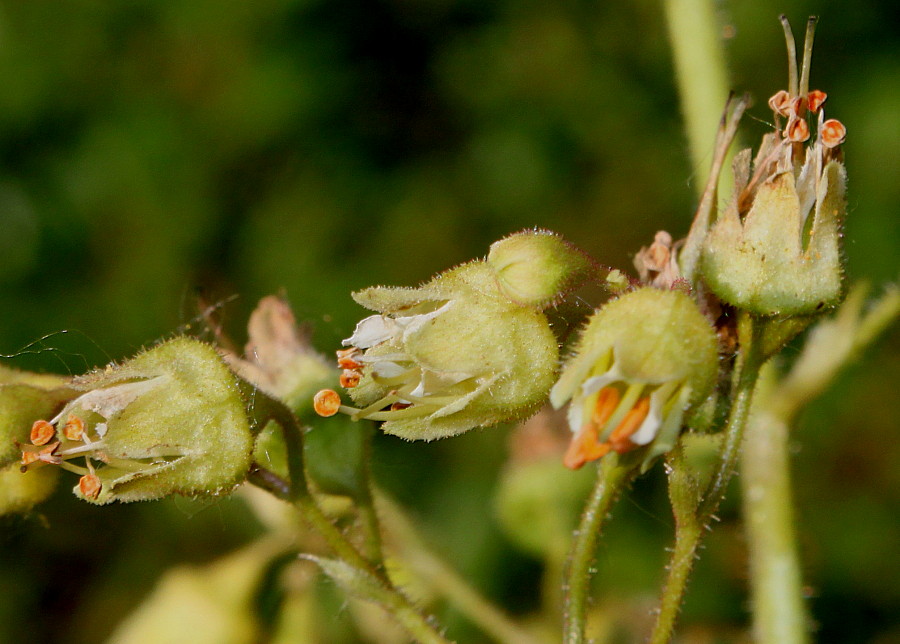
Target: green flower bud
x=536, y=268
x=170, y=420
x=453, y=354
x=776, y=249
x=642, y=362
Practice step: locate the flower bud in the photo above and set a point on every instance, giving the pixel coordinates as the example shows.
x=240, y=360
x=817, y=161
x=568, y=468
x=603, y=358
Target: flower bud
x=642, y=362
x=448, y=356
x=536, y=268
x=776, y=249
x=170, y=420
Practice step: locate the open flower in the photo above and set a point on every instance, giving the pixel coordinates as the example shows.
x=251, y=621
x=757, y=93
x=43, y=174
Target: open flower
x=469, y=348
x=642, y=362
x=170, y=420
x=776, y=248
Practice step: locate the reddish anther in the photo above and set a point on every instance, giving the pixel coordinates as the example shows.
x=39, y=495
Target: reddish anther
x=815, y=99
x=90, y=486
x=832, y=133
x=74, y=428
x=349, y=378
x=327, y=402
x=780, y=103
x=347, y=358
x=797, y=130
x=42, y=432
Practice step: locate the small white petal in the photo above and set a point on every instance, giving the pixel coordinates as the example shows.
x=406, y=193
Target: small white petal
x=372, y=330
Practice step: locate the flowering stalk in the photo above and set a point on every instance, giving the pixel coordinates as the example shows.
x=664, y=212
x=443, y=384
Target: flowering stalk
x=612, y=478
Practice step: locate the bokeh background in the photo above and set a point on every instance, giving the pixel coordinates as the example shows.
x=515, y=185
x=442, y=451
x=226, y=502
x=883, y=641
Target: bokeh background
x=159, y=157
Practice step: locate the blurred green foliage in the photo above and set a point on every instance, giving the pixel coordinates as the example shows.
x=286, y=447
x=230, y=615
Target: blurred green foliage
x=158, y=157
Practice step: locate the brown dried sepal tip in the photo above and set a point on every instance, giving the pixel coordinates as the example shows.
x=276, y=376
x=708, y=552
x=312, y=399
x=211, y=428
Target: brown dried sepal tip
x=327, y=402
x=74, y=428
x=832, y=133
x=90, y=486
x=42, y=432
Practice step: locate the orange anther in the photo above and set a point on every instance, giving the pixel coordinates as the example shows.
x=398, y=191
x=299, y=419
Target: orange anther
x=397, y=406
x=90, y=486
x=327, y=402
x=798, y=106
x=607, y=401
x=47, y=454
x=584, y=447
x=780, y=103
x=815, y=99
x=620, y=439
x=832, y=133
x=346, y=358
x=74, y=428
x=29, y=457
x=42, y=432
x=349, y=378
x=797, y=130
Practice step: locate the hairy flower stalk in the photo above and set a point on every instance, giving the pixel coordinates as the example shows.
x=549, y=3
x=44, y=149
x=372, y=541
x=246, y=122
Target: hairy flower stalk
x=469, y=348
x=171, y=420
x=642, y=362
x=776, y=249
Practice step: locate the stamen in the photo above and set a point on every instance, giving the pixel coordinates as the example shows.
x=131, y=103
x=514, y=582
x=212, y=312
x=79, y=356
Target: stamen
x=74, y=428
x=349, y=378
x=584, y=447
x=620, y=439
x=629, y=399
x=797, y=130
x=42, y=432
x=607, y=401
x=90, y=485
x=815, y=100
x=47, y=454
x=347, y=358
x=780, y=102
x=832, y=133
x=327, y=402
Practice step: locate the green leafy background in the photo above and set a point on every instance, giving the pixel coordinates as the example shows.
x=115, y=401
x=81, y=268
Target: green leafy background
x=159, y=157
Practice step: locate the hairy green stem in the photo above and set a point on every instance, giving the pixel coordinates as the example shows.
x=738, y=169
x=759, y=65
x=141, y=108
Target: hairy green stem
x=611, y=478
x=699, y=56
x=434, y=572
x=395, y=602
x=779, y=616
x=693, y=514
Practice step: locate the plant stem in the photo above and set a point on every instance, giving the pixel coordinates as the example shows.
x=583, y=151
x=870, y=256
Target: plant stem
x=392, y=600
x=779, y=616
x=611, y=478
x=433, y=571
x=699, y=57
x=692, y=515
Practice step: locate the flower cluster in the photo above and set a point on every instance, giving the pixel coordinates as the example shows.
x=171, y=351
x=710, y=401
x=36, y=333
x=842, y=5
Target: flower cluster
x=642, y=362
x=775, y=249
x=469, y=348
x=171, y=420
